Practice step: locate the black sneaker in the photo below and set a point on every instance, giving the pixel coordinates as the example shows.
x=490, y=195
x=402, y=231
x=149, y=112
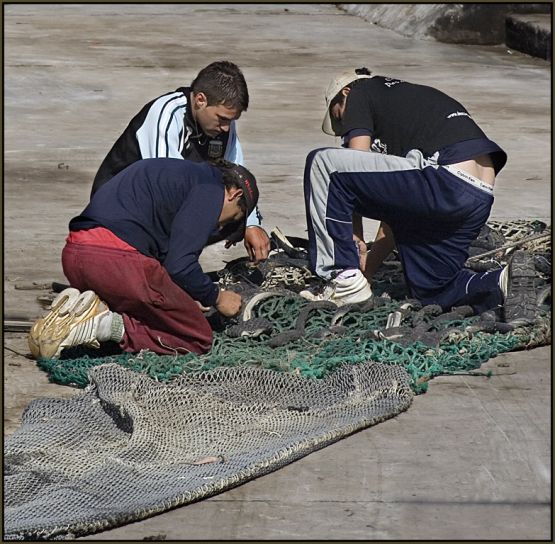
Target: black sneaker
x=520, y=306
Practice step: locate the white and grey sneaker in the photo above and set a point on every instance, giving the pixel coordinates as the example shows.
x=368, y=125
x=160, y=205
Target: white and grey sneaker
x=349, y=287
x=60, y=306
x=75, y=319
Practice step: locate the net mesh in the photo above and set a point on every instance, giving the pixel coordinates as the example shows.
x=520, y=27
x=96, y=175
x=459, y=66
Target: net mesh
x=282, y=331
x=128, y=447
x=288, y=377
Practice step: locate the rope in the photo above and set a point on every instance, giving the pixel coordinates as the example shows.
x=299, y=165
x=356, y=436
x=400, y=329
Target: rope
x=281, y=331
x=510, y=245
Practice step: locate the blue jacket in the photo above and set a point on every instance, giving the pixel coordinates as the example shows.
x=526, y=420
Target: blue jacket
x=166, y=209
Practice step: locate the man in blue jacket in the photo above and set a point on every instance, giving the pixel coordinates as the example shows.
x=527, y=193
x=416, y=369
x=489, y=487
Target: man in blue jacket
x=197, y=123
x=132, y=259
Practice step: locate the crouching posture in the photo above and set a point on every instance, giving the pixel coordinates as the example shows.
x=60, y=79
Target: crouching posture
x=132, y=260
x=416, y=161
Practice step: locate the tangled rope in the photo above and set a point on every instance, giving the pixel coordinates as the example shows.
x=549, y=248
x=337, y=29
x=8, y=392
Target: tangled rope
x=282, y=331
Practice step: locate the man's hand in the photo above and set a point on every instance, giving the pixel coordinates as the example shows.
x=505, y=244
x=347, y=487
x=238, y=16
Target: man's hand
x=228, y=303
x=202, y=308
x=257, y=243
x=382, y=246
x=362, y=252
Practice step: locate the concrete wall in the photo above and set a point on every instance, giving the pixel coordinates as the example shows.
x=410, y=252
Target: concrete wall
x=529, y=33
x=472, y=23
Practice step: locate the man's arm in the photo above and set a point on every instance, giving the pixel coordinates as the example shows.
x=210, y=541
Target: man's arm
x=190, y=228
x=383, y=245
x=362, y=143
x=153, y=132
x=234, y=153
x=162, y=132
x=257, y=241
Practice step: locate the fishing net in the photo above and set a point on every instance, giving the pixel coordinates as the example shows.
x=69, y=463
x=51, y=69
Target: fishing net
x=287, y=377
x=282, y=331
x=129, y=447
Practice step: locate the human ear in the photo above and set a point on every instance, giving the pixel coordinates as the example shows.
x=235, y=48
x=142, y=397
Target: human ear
x=200, y=100
x=236, y=194
x=233, y=193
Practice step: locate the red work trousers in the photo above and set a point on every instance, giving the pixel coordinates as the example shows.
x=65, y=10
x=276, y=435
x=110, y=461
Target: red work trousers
x=158, y=315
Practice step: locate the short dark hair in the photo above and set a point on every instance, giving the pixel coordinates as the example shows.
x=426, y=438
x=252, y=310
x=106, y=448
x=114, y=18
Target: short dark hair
x=236, y=175
x=231, y=183
x=336, y=100
x=223, y=83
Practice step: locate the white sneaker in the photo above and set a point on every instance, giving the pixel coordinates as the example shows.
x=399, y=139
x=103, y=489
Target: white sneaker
x=61, y=305
x=76, y=326
x=349, y=287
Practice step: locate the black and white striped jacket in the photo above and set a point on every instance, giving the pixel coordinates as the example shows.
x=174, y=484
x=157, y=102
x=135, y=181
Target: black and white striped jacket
x=164, y=128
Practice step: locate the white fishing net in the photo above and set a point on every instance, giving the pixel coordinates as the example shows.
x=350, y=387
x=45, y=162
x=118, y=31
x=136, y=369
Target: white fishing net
x=128, y=446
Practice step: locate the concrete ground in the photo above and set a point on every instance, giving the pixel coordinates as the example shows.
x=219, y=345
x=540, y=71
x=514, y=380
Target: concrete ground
x=470, y=459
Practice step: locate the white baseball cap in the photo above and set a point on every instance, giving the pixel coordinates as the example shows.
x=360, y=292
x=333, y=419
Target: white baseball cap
x=335, y=86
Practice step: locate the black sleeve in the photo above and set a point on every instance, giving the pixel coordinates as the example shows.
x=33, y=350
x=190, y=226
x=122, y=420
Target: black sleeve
x=123, y=153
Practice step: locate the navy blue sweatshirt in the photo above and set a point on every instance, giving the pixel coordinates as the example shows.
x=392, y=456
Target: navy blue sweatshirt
x=166, y=209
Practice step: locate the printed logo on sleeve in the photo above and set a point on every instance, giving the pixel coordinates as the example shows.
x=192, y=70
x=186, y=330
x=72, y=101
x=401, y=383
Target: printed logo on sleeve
x=389, y=81
x=378, y=146
x=459, y=114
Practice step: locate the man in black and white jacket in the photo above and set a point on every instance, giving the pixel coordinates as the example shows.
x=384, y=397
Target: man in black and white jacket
x=197, y=123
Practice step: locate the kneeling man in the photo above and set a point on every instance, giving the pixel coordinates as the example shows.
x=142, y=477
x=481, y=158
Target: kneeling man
x=418, y=162
x=132, y=259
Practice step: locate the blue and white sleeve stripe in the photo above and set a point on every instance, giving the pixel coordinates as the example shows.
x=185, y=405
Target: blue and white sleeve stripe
x=234, y=153
x=161, y=133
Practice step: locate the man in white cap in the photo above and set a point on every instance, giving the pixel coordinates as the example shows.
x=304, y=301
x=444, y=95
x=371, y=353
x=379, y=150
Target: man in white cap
x=417, y=161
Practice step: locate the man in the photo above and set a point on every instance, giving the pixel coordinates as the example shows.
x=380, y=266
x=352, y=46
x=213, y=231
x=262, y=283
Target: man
x=131, y=259
x=195, y=123
x=419, y=163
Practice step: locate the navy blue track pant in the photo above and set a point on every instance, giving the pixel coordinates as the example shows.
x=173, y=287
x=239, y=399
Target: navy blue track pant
x=434, y=216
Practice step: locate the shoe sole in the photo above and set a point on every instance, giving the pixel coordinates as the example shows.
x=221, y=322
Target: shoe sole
x=58, y=329
x=345, y=300
x=308, y=295
x=63, y=302
x=338, y=301
x=283, y=243
x=521, y=301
